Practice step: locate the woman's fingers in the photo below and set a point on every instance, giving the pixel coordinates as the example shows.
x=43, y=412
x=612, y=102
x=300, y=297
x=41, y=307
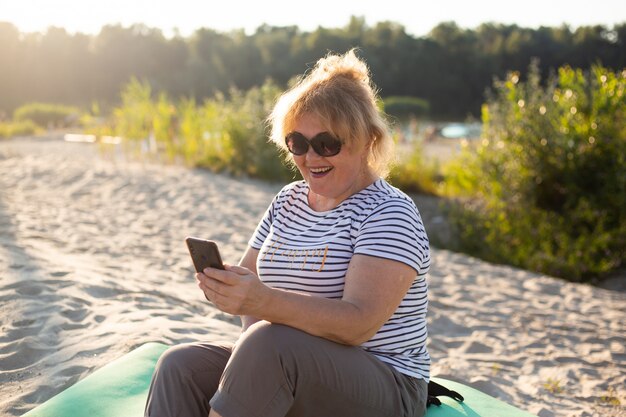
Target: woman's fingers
x=208, y=283
x=234, y=290
x=218, y=275
x=231, y=275
x=208, y=294
x=239, y=270
x=211, y=290
x=226, y=292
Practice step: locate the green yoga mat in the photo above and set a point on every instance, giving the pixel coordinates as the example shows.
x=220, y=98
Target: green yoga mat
x=120, y=388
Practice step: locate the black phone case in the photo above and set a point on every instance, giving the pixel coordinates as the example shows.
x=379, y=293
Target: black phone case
x=204, y=253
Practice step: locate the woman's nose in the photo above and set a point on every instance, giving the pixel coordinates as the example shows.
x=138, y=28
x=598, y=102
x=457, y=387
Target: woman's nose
x=311, y=154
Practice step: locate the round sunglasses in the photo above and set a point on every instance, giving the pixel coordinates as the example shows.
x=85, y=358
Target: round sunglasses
x=324, y=144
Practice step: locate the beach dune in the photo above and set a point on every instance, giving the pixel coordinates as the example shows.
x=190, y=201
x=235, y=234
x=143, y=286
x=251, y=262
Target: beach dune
x=93, y=264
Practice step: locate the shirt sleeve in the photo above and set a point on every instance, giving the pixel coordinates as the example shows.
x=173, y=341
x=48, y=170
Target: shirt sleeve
x=394, y=230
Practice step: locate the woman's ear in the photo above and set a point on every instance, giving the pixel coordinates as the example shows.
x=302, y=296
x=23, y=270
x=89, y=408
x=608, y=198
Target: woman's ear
x=368, y=145
x=369, y=149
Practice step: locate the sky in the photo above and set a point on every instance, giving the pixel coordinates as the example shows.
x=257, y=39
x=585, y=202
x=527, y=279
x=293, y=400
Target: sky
x=417, y=16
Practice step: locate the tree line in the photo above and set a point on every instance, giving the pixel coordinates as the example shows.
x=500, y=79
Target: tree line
x=450, y=68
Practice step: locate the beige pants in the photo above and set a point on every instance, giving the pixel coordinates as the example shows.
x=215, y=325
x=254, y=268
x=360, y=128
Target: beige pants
x=276, y=370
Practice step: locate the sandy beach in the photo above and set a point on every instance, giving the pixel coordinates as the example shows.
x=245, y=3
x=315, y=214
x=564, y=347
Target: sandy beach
x=93, y=264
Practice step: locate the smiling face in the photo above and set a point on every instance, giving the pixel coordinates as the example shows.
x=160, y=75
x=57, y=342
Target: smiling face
x=331, y=179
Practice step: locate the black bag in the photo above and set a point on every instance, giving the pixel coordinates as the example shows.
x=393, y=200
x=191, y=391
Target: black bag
x=436, y=390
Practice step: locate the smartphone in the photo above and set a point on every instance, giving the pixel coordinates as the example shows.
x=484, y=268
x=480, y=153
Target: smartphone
x=204, y=253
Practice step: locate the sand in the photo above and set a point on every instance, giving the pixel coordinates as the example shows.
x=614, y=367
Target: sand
x=93, y=264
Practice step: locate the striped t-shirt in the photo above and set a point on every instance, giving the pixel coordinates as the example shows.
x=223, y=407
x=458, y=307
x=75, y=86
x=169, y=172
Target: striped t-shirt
x=309, y=251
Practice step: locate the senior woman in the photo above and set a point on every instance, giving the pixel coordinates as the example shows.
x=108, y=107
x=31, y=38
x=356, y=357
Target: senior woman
x=331, y=290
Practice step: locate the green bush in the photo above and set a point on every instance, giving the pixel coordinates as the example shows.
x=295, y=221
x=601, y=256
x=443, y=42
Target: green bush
x=133, y=119
x=246, y=136
x=547, y=184
x=23, y=128
x=404, y=107
x=223, y=134
x=413, y=173
x=47, y=114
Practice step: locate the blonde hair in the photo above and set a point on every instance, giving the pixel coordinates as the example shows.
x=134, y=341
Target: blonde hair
x=339, y=93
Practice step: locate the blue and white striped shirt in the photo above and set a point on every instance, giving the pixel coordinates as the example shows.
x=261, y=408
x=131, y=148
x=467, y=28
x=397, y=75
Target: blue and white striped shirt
x=304, y=250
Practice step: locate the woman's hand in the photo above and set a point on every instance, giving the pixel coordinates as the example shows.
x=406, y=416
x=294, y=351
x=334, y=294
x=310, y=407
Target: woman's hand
x=236, y=290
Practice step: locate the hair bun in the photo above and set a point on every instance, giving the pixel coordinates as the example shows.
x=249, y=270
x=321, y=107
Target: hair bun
x=347, y=65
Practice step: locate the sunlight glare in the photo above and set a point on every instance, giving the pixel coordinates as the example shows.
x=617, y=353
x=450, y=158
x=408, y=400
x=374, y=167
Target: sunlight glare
x=88, y=16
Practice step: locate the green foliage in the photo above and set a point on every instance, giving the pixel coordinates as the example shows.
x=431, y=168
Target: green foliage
x=23, y=128
x=404, y=107
x=133, y=119
x=244, y=133
x=413, y=173
x=611, y=398
x=223, y=134
x=94, y=124
x=547, y=182
x=47, y=114
x=553, y=385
